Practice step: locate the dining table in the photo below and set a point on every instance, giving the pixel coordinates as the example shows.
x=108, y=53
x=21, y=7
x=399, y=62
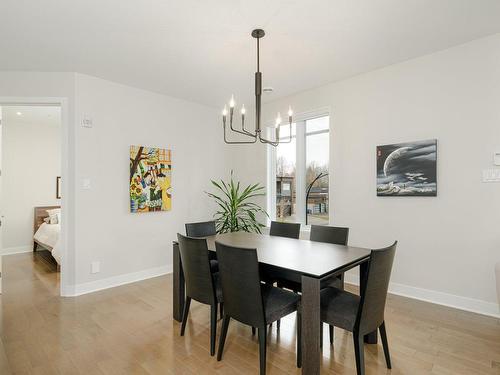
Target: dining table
x=304, y=261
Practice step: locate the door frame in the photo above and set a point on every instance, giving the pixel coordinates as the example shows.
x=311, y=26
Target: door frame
x=67, y=199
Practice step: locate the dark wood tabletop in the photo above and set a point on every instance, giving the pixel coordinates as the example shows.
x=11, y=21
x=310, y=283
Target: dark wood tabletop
x=309, y=258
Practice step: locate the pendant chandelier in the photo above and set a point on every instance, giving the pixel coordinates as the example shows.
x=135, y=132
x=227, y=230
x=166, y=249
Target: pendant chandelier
x=257, y=133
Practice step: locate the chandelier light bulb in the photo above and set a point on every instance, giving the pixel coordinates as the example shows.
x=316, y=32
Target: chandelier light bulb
x=278, y=120
x=290, y=112
x=243, y=110
x=231, y=102
x=224, y=111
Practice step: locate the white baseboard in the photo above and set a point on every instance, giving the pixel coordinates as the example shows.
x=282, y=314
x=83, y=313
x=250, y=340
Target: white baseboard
x=439, y=298
x=16, y=250
x=111, y=282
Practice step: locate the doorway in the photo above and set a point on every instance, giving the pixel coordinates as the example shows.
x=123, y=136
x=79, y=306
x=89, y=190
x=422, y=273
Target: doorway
x=31, y=186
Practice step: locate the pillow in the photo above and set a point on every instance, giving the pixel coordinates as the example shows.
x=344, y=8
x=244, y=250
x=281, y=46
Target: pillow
x=53, y=215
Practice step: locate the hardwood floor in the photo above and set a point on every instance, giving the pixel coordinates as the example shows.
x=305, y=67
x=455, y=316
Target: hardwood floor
x=129, y=330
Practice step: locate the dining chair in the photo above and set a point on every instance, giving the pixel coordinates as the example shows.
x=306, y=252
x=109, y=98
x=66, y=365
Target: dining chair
x=365, y=313
x=201, y=284
x=280, y=229
x=327, y=234
x=321, y=233
x=251, y=302
x=201, y=230
x=336, y=236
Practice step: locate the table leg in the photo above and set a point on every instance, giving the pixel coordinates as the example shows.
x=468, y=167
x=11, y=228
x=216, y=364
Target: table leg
x=370, y=338
x=311, y=325
x=179, y=293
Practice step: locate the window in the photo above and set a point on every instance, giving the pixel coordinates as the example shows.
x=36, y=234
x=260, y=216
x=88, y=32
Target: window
x=300, y=171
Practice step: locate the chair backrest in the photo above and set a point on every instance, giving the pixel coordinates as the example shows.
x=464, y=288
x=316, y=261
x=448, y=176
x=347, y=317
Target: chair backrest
x=335, y=235
x=290, y=230
x=196, y=266
x=373, y=298
x=240, y=281
x=201, y=229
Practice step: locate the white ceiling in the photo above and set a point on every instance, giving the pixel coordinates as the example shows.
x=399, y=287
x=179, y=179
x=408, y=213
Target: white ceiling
x=43, y=115
x=201, y=50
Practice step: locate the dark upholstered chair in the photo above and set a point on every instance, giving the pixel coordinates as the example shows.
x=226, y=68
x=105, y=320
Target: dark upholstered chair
x=201, y=230
x=321, y=233
x=201, y=284
x=336, y=236
x=290, y=230
x=249, y=301
x=365, y=313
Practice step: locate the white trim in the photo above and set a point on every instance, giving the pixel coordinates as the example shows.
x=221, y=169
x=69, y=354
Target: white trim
x=300, y=164
x=111, y=282
x=439, y=298
x=300, y=171
x=271, y=184
x=16, y=250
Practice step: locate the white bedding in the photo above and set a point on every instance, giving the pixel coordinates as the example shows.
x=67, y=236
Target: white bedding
x=48, y=235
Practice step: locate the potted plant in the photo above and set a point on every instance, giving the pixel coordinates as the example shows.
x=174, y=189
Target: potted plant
x=236, y=209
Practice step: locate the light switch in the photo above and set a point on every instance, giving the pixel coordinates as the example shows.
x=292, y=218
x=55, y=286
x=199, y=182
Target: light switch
x=86, y=184
x=95, y=267
x=496, y=158
x=491, y=175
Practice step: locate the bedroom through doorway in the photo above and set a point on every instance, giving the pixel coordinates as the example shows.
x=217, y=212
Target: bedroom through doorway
x=30, y=191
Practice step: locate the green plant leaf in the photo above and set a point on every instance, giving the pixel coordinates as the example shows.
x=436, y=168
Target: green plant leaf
x=236, y=210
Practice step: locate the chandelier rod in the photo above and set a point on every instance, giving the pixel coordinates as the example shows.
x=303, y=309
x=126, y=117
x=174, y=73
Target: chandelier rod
x=257, y=34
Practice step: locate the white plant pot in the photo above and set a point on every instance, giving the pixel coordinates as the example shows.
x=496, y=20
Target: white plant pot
x=497, y=274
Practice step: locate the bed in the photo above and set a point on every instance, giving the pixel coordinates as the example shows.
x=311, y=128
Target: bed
x=46, y=235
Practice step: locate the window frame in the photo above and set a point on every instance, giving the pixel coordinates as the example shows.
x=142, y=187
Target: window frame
x=300, y=164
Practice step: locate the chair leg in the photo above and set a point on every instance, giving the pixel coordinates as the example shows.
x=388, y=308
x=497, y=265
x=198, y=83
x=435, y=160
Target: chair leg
x=223, y=334
x=262, y=349
x=253, y=331
x=385, y=344
x=185, y=315
x=359, y=351
x=213, y=328
x=299, y=339
x=331, y=334
x=221, y=310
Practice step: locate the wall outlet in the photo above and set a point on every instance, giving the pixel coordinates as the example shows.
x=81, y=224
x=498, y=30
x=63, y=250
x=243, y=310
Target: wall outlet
x=95, y=267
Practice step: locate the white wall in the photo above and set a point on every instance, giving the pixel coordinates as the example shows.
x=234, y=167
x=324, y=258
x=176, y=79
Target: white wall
x=448, y=245
x=99, y=225
x=126, y=243
x=31, y=154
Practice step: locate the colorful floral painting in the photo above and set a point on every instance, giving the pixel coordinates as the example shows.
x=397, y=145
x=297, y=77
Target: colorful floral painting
x=150, y=179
